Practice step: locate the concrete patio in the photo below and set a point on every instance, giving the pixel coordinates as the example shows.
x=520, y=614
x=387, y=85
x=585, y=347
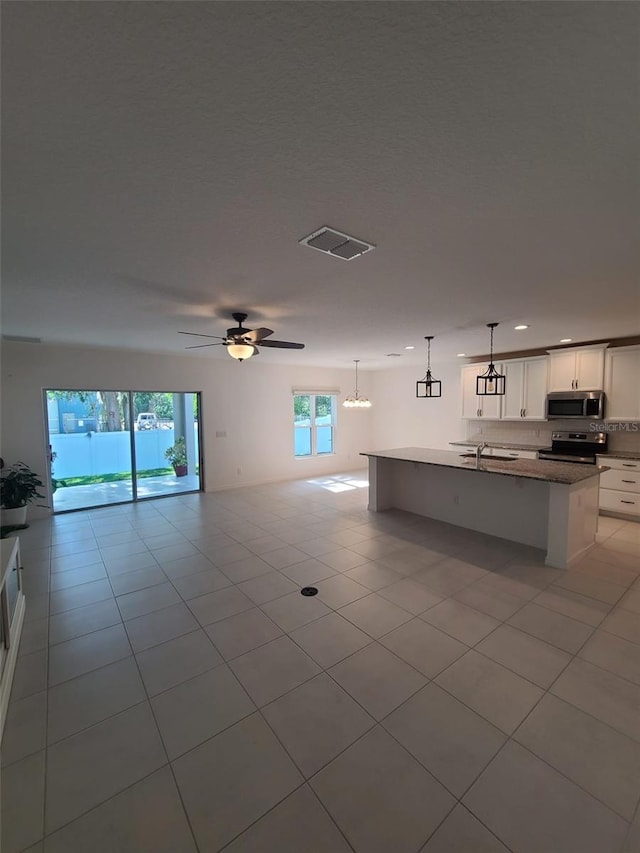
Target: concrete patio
x=103, y=494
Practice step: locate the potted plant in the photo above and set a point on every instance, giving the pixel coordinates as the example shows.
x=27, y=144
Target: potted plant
x=177, y=455
x=18, y=487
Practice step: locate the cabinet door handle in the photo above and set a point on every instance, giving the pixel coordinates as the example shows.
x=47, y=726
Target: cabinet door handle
x=629, y=481
x=627, y=502
x=629, y=465
x=524, y=413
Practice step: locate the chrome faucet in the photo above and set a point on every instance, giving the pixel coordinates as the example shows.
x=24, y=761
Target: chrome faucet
x=479, y=449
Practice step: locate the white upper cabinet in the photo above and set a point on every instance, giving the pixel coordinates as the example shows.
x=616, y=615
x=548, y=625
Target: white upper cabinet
x=562, y=370
x=525, y=389
x=474, y=406
x=512, y=403
x=622, y=384
x=535, y=388
x=590, y=369
x=580, y=369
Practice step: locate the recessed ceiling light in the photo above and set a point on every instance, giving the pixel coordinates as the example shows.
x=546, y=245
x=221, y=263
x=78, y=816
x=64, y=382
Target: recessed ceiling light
x=461, y=354
x=565, y=340
x=520, y=328
x=409, y=347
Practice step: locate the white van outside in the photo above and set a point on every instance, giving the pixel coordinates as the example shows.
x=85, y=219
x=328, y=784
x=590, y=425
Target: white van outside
x=147, y=420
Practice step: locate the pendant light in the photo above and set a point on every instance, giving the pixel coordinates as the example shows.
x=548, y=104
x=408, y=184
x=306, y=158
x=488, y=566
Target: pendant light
x=355, y=401
x=428, y=387
x=490, y=383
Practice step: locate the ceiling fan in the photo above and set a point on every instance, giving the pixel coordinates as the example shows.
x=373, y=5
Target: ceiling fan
x=242, y=343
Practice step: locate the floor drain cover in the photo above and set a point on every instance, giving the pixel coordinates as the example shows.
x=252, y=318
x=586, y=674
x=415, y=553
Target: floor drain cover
x=309, y=590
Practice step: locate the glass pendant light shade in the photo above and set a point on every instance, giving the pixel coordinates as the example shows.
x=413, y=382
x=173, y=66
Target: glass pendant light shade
x=428, y=387
x=240, y=351
x=491, y=383
x=356, y=400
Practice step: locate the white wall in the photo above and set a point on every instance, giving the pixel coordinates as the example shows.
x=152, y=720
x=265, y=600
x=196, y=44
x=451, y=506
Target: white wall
x=403, y=420
x=251, y=402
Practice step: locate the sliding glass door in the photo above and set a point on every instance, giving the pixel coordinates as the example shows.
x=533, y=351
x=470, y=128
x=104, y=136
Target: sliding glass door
x=167, y=446
x=109, y=447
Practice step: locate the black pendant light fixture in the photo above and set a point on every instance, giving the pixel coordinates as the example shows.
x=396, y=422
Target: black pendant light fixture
x=490, y=383
x=428, y=387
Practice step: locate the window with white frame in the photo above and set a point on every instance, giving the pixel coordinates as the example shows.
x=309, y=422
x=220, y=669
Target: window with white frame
x=314, y=421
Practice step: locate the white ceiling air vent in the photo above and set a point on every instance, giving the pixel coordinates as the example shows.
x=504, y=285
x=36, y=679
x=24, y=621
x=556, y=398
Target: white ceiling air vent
x=335, y=243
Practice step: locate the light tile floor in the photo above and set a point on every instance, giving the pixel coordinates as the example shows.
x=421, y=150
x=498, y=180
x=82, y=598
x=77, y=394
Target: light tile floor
x=445, y=691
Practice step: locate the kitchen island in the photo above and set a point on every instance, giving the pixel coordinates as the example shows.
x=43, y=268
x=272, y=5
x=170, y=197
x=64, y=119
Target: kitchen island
x=549, y=505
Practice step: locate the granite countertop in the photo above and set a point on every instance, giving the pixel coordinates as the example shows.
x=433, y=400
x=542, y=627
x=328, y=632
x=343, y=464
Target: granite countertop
x=622, y=454
x=504, y=445
x=566, y=473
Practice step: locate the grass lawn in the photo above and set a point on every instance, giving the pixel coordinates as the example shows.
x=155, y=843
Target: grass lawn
x=111, y=478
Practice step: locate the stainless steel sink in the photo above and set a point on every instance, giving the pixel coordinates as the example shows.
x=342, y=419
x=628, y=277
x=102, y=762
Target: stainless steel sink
x=490, y=457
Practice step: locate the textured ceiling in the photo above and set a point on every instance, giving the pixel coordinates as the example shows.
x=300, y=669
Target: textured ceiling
x=162, y=160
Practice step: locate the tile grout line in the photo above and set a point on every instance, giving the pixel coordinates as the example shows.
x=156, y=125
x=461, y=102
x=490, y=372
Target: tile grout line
x=574, y=655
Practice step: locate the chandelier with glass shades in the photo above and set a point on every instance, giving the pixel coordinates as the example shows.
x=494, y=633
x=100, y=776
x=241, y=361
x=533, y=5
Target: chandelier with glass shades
x=356, y=400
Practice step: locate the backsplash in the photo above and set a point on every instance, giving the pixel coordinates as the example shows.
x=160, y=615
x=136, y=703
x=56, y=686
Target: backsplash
x=538, y=433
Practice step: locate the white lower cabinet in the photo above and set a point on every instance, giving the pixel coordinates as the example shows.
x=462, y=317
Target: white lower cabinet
x=514, y=454
x=502, y=451
x=620, y=486
x=12, y=605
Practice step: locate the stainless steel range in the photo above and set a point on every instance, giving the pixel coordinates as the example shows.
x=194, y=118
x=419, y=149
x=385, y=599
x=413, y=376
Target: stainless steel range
x=575, y=447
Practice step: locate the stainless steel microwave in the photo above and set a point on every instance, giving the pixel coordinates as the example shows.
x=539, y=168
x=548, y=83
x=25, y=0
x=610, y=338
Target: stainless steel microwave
x=575, y=404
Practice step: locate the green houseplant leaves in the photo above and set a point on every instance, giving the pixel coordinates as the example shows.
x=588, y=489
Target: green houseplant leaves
x=18, y=486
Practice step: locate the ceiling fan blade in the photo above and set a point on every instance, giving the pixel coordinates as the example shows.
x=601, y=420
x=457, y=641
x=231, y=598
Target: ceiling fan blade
x=280, y=344
x=256, y=335
x=201, y=335
x=200, y=346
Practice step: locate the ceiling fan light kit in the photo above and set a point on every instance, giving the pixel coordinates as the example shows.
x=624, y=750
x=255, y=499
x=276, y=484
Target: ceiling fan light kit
x=491, y=383
x=428, y=387
x=241, y=351
x=243, y=343
x=356, y=400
